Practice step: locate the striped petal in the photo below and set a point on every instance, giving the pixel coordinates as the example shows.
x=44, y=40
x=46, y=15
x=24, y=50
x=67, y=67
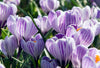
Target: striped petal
x=33, y=47
x=21, y=27
x=84, y=37
x=61, y=49
x=47, y=63
x=87, y=62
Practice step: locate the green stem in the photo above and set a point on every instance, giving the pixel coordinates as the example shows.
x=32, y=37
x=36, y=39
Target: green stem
x=17, y=60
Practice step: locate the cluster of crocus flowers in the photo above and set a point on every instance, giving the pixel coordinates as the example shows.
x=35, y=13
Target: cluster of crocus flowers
x=76, y=30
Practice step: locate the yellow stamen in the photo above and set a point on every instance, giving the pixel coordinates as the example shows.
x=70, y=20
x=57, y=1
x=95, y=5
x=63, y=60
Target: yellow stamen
x=34, y=41
x=79, y=29
x=97, y=58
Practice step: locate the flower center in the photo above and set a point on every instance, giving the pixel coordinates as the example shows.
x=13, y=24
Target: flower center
x=79, y=29
x=97, y=58
x=34, y=41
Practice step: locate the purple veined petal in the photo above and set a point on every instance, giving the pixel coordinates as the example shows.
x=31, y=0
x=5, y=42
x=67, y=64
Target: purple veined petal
x=24, y=46
x=43, y=5
x=43, y=24
x=6, y=11
x=30, y=30
x=34, y=47
x=47, y=63
x=11, y=44
x=38, y=36
x=84, y=37
x=70, y=31
x=81, y=51
x=52, y=17
x=72, y=18
x=11, y=24
x=97, y=29
x=59, y=12
x=88, y=62
x=21, y=27
x=48, y=5
x=98, y=14
x=39, y=47
x=61, y=49
x=16, y=2
x=92, y=52
x=75, y=60
x=13, y=9
x=86, y=13
x=2, y=66
x=2, y=47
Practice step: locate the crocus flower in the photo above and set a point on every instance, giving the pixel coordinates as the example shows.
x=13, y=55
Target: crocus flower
x=48, y=5
x=16, y=2
x=34, y=46
x=84, y=12
x=43, y=23
x=77, y=56
x=92, y=59
x=21, y=27
x=47, y=63
x=60, y=20
x=61, y=47
x=9, y=45
x=54, y=19
x=83, y=35
x=2, y=66
x=5, y=11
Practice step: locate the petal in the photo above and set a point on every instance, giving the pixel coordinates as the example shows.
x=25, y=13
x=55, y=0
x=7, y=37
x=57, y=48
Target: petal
x=2, y=66
x=47, y=63
x=92, y=52
x=87, y=62
x=24, y=46
x=70, y=31
x=61, y=49
x=2, y=47
x=84, y=37
x=81, y=51
x=11, y=44
x=75, y=60
x=86, y=13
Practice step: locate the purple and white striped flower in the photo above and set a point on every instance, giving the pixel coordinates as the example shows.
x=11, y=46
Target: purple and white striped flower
x=9, y=45
x=5, y=11
x=21, y=27
x=61, y=47
x=47, y=63
x=83, y=35
x=2, y=66
x=34, y=46
x=55, y=21
x=43, y=23
x=48, y=5
x=77, y=56
x=92, y=59
x=16, y=2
